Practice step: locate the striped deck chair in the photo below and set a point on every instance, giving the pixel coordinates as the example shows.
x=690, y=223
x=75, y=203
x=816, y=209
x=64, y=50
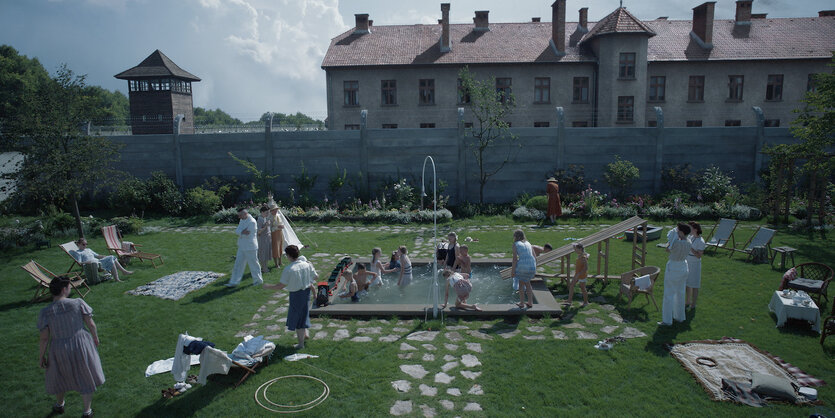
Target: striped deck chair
x=761, y=238
x=115, y=245
x=37, y=272
x=722, y=233
x=67, y=247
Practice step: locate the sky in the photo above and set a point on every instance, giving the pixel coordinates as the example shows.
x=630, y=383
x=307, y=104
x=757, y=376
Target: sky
x=255, y=56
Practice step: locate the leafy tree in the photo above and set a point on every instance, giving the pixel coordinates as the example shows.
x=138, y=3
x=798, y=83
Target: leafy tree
x=262, y=181
x=490, y=109
x=620, y=175
x=297, y=120
x=203, y=117
x=21, y=79
x=109, y=108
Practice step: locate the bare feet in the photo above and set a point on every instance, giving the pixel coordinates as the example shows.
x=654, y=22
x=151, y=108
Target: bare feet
x=530, y=305
x=520, y=304
x=298, y=346
x=476, y=308
x=128, y=272
x=584, y=304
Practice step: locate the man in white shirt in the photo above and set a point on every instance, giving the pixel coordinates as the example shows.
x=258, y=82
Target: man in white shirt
x=675, y=276
x=247, y=250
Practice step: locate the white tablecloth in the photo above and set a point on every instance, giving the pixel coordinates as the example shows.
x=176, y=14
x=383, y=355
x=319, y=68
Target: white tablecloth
x=785, y=308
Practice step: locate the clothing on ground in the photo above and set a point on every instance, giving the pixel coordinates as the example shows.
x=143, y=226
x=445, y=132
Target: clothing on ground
x=213, y=361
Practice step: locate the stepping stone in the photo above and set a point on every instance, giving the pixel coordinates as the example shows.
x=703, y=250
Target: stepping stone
x=457, y=327
x=397, y=329
x=362, y=323
x=273, y=337
x=574, y=325
x=451, y=347
x=428, y=357
x=559, y=335
x=630, y=332
x=536, y=329
x=401, y=385
x=507, y=333
x=583, y=335
x=406, y=347
x=405, y=356
x=362, y=339
x=476, y=390
x=472, y=406
x=404, y=322
x=470, y=375
x=274, y=327
x=335, y=325
x=372, y=330
x=280, y=309
x=609, y=329
x=470, y=360
x=383, y=321
x=486, y=326
x=617, y=318
x=533, y=337
x=450, y=358
x=256, y=317
x=242, y=334
x=453, y=392
x=448, y=405
x=475, y=347
x=454, y=336
x=401, y=408
x=480, y=335
x=589, y=311
x=596, y=321
x=429, y=347
x=609, y=308
x=422, y=336
x=272, y=302
x=449, y=366
x=443, y=378
x=251, y=324
x=271, y=317
x=415, y=370
x=428, y=412
x=321, y=255
x=340, y=334
x=262, y=308
x=320, y=335
x=427, y=390
x=389, y=338
x=315, y=326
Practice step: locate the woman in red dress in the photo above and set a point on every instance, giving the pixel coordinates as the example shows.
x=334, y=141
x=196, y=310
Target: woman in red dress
x=554, y=207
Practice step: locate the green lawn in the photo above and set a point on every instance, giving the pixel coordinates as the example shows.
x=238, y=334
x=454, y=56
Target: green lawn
x=547, y=377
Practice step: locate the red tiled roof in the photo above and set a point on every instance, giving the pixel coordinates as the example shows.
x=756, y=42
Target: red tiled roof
x=508, y=43
x=156, y=65
x=619, y=21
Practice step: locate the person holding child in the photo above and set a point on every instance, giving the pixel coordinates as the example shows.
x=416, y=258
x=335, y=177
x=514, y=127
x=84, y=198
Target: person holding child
x=675, y=276
x=459, y=282
x=523, y=267
x=581, y=269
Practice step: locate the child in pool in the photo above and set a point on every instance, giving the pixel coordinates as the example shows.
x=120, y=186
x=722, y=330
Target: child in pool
x=379, y=268
x=462, y=287
x=462, y=263
x=581, y=268
x=361, y=277
x=351, y=288
x=405, y=268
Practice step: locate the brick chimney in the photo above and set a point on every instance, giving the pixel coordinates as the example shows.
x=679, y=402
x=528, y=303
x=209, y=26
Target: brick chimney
x=482, y=23
x=743, y=12
x=445, y=42
x=702, y=31
x=361, y=25
x=583, y=26
x=824, y=13
x=535, y=20
x=558, y=27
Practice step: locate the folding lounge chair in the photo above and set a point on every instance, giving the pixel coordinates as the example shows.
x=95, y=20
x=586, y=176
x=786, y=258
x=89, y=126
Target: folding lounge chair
x=67, y=247
x=721, y=234
x=37, y=272
x=114, y=244
x=761, y=238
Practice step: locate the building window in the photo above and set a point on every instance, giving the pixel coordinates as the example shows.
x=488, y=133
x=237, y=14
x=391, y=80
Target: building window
x=351, y=92
x=580, y=124
x=468, y=125
x=626, y=108
x=581, y=90
x=652, y=123
x=696, y=88
x=427, y=92
x=503, y=89
x=352, y=127
x=541, y=124
x=772, y=123
x=542, y=90
x=627, y=65
x=733, y=122
x=427, y=125
x=735, y=84
x=143, y=85
x=810, y=83
x=694, y=124
x=463, y=95
x=389, y=92
x=774, y=88
x=389, y=126
x=656, y=88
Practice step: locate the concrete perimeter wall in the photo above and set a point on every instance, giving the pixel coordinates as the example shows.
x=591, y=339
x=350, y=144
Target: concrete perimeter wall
x=390, y=153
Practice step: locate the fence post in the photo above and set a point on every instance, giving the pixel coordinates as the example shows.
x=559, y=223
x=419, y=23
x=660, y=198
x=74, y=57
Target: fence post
x=178, y=153
x=461, y=183
x=268, y=144
x=364, y=147
x=560, y=146
x=659, y=149
x=759, y=143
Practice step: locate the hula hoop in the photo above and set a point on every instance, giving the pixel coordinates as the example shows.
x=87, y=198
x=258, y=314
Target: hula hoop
x=290, y=409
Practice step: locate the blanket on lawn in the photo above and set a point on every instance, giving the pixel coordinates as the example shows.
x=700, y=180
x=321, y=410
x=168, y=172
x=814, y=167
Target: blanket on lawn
x=733, y=360
x=175, y=286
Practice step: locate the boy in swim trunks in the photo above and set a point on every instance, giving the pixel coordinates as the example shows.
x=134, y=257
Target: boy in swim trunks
x=462, y=288
x=362, y=277
x=462, y=263
x=581, y=268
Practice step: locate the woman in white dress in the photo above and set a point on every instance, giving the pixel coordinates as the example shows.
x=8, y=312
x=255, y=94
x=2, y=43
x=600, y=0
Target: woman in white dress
x=694, y=264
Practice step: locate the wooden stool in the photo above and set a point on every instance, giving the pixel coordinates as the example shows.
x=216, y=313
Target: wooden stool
x=783, y=252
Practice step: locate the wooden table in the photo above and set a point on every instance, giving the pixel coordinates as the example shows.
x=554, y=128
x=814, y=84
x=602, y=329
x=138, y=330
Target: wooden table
x=784, y=251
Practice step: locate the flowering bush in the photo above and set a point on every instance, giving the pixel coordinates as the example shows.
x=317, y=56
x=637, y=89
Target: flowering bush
x=523, y=213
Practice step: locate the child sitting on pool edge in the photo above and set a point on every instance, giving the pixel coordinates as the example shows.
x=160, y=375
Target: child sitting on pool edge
x=462, y=287
x=351, y=288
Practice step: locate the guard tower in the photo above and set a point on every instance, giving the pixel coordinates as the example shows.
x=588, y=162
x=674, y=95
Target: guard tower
x=159, y=90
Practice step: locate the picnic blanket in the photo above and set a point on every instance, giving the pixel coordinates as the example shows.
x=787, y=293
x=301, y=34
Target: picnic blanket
x=175, y=286
x=732, y=360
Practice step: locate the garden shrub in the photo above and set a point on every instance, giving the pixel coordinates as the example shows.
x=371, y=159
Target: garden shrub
x=228, y=189
x=695, y=212
x=538, y=202
x=165, y=196
x=60, y=224
x=130, y=196
x=680, y=178
x=305, y=182
x=620, y=175
x=716, y=185
x=659, y=212
x=619, y=212
x=571, y=180
x=128, y=224
x=226, y=216
x=523, y=213
x=199, y=201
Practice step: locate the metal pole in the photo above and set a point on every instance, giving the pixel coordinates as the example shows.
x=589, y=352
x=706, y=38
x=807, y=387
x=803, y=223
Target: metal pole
x=435, y=290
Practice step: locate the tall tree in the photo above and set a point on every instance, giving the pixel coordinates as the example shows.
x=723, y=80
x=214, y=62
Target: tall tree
x=490, y=106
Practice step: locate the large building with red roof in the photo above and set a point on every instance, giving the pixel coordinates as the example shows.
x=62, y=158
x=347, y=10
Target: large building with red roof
x=615, y=72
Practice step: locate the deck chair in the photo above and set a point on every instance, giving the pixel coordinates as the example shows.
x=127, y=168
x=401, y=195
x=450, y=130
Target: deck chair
x=721, y=234
x=67, y=247
x=44, y=277
x=761, y=238
x=238, y=359
x=114, y=243
x=630, y=289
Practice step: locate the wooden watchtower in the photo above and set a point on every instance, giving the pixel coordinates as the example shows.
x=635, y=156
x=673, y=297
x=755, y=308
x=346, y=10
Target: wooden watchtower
x=159, y=90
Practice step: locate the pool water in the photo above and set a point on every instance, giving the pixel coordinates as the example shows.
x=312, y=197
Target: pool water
x=488, y=288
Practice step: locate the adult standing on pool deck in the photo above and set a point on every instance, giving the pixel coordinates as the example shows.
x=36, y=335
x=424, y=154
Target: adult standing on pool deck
x=523, y=267
x=675, y=276
x=451, y=250
x=554, y=205
x=247, y=250
x=277, y=233
x=299, y=278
